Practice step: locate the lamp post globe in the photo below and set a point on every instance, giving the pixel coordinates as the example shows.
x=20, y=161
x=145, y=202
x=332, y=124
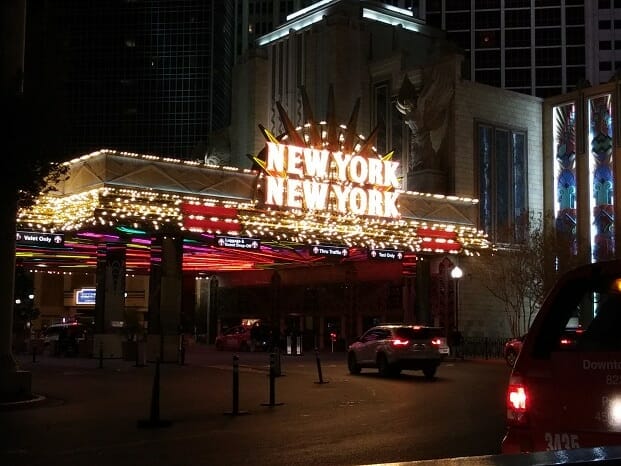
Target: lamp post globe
x=456, y=274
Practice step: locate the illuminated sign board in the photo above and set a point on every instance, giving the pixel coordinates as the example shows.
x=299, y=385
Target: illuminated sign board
x=238, y=242
x=386, y=254
x=318, y=179
x=85, y=297
x=33, y=238
x=329, y=251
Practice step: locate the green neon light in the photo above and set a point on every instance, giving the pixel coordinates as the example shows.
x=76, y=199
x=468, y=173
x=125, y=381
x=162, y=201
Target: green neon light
x=131, y=231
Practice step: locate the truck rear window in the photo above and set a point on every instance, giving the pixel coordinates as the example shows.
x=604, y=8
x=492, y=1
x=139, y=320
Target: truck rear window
x=586, y=316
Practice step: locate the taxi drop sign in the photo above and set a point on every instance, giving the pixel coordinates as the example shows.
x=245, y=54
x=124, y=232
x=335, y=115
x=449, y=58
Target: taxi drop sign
x=318, y=179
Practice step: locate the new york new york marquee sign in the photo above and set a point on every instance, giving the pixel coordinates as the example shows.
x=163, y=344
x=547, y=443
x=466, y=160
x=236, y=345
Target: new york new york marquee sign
x=322, y=180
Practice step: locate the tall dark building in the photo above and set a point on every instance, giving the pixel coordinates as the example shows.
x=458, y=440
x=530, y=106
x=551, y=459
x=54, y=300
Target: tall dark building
x=147, y=76
x=541, y=48
x=255, y=18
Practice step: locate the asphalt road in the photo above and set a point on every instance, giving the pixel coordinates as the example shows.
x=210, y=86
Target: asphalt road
x=91, y=415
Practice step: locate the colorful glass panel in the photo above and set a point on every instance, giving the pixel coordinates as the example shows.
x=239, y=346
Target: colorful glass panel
x=566, y=189
x=602, y=178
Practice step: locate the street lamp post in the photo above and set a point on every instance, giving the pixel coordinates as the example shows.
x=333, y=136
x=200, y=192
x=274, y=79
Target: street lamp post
x=456, y=274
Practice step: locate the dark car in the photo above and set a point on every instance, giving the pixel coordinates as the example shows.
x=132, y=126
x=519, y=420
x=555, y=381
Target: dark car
x=64, y=339
x=391, y=348
x=564, y=389
x=512, y=349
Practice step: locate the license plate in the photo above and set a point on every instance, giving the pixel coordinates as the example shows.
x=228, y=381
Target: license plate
x=444, y=350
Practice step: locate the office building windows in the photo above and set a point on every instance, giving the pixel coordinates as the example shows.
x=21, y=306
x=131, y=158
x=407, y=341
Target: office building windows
x=519, y=57
x=517, y=38
x=487, y=19
x=490, y=77
x=521, y=30
x=150, y=77
x=457, y=5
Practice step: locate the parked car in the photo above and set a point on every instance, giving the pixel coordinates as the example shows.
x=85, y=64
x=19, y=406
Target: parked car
x=64, y=338
x=391, y=348
x=240, y=338
x=564, y=389
x=512, y=349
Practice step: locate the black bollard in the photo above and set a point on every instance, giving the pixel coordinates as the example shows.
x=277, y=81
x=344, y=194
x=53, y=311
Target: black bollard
x=101, y=354
x=154, y=414
x=139, y=363
x=272, y=377
x=181, y=350
x=276, y=362
x=236, y=410
x=319, y=367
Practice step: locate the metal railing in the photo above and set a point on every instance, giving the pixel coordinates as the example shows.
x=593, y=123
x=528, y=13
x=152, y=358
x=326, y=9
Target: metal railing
x=484, y=347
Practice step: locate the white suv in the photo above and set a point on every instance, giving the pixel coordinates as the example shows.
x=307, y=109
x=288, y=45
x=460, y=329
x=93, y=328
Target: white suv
x=393, y=347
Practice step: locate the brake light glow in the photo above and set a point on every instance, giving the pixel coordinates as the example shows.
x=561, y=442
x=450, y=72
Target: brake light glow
x=399, y=342
x=614, y=412
x=517, y=397
x=517, y=402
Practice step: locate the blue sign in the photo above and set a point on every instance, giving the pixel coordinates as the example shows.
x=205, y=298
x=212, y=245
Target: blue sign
x=33, y=238
x=238, y=242
x=85, y=296
x=386, y=254
x=329, y=251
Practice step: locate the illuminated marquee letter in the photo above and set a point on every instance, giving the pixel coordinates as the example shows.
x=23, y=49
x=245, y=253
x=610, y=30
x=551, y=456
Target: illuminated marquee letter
x=294, y=193
x=274, y=190
x=390, y=204
x=316, y=163
x=390, y=174
x=315, y=195
x=294, y=160
x=342, y=161
x=358, y=169
x=358, y=201
x=275, y=162
x=341, y=193
x=375, y=172
x=376, y=204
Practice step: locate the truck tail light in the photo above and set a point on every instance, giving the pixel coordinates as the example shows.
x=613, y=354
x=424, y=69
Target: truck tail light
x=518, y=401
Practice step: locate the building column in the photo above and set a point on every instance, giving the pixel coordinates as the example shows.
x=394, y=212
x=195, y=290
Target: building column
x=109, y=301
x=422, y=308
x=206, y=307
x=165, y=291
x=408, y=300
x=14, y=382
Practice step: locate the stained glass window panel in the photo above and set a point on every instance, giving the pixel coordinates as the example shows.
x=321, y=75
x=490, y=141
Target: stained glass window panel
x=601, y=175
x=565, y=194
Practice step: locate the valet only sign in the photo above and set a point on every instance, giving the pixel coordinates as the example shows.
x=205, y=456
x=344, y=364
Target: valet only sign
x=317, y=179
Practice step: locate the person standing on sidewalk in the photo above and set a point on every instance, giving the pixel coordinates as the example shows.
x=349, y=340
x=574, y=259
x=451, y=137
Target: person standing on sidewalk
x=255, y=336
